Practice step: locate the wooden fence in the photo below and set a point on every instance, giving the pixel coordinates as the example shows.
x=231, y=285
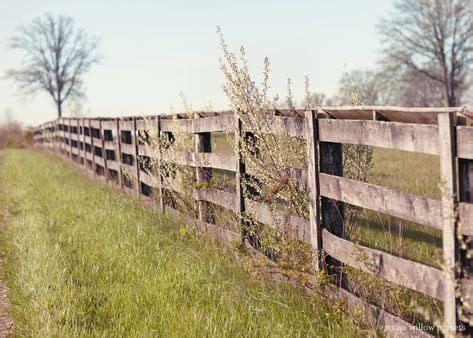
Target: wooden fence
x=108, y=147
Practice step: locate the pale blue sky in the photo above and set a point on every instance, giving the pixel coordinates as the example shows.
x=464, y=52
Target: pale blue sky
x=156, y=49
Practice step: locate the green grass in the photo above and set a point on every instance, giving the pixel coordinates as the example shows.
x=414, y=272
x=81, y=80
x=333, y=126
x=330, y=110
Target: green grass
x=410, y=172
x=81, y=260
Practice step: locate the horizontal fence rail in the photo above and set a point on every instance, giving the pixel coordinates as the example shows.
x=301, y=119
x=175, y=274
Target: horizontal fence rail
x=113, y=149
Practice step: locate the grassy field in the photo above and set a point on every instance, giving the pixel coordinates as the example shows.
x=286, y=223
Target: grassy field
x=410, y=172
x=81, y=260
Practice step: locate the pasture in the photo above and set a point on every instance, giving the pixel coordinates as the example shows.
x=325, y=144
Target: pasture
x=82, y=260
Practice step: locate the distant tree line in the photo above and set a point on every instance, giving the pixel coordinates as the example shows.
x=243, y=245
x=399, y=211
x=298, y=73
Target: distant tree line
x=426, y=59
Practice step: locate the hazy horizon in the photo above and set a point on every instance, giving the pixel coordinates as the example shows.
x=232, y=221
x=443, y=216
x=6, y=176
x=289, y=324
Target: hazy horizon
x=154, y=50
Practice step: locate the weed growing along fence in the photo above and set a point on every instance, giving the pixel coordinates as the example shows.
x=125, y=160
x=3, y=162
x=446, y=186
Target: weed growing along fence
x=122, y=151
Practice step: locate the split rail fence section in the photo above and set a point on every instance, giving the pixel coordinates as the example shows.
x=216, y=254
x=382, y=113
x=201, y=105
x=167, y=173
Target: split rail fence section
x=109, y=147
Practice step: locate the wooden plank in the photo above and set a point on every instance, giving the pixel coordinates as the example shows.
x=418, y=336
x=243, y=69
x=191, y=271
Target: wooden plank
x=87, y=139
x=224, y=199
x=146, y=150
x=110, y=145
x=220, y=234
x=448, y=185
x=467, y=294
x=465, y=142
x=126, y=125
x=224, y=123
x=393, y=326
x=141, y=124
x=127, y=148
x=290, y=126
x=114, y=165
x=427, y=280
x=99, y=160
x=218, y=161
x=94, y=123
x=291, y=225
x=399, y=204
x=148, y=179
x=392, y=113
x=210, y=160
x=109, y=124
x=315, y=228
x=131, y=169
x=465, y=211
x=392, y=135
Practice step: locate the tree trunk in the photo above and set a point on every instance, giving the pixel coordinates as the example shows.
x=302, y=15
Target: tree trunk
x=59, y=109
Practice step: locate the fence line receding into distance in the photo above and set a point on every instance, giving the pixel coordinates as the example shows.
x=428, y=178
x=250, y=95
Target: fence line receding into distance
x=109, y=147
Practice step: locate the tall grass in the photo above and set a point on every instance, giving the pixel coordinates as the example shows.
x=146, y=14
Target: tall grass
x=81, y=260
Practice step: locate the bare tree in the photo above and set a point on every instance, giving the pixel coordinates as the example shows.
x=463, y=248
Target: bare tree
x=433, y=38
x=56, y=56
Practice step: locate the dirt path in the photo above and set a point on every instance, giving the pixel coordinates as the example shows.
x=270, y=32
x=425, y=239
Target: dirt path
x=6, y=324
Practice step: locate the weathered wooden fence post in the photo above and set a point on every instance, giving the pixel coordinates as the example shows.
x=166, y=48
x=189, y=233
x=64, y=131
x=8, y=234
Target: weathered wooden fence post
x=78, y=140
x=118, y=137
x=251, y=186
x=137, y=157
x=203, y=144
x=332, y=211
x=70, y=137
x=158, y=164
x=104, y=152
x=83, y=143
x=92, y=149
x=448, y=178
x=315, y=231
x=239, y=177
x=466, y=261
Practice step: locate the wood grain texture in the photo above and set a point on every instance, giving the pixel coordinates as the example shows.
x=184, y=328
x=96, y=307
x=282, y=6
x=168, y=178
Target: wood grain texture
x=315, y=228
x=448, y=187
x=465, y=142
x=210, y=160
x=427, y=280
x=401, y=136
x=290, y=126
x=392, y=202
x=225, y=123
